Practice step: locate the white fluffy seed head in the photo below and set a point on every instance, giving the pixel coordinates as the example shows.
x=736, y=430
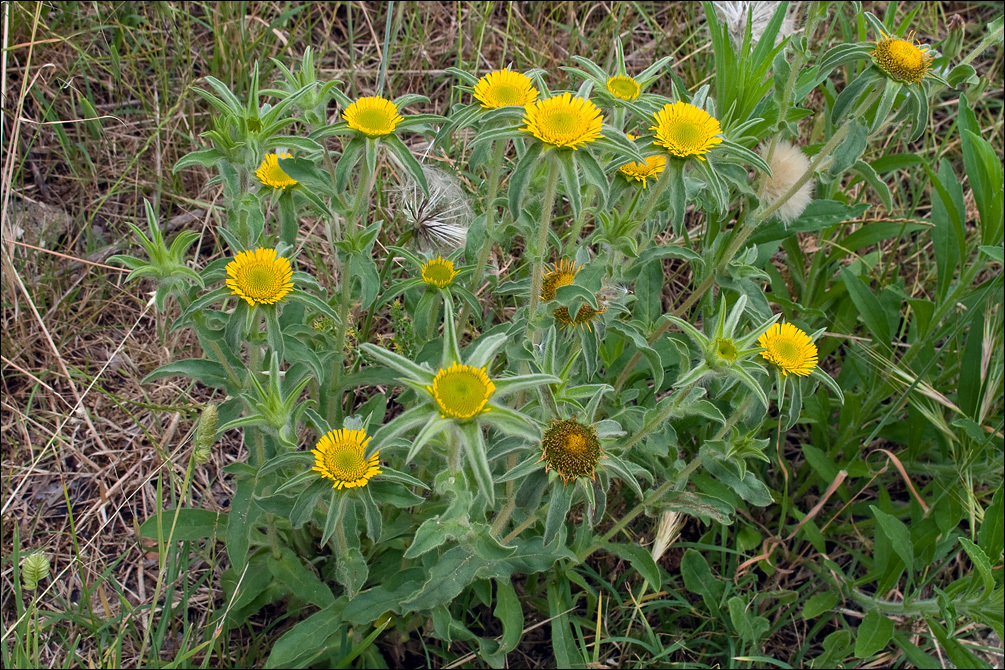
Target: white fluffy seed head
x=788, y=164
x=441, y=219
x=734, y=14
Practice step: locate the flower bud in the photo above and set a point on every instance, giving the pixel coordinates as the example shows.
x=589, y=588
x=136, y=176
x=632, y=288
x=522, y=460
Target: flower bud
x=205, y=433
x=34, y=568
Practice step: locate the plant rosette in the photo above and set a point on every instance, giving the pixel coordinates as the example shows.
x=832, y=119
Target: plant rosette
x=460, y=397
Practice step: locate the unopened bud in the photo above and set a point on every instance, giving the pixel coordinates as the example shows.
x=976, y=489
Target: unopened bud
x=205, y=434
x=34, y=568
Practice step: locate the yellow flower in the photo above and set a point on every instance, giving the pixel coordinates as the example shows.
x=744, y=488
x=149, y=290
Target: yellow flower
x=903, y=59
x=789, y=348
x=563, y=121
x=373, y=116
x=624, y=88
x=461, y=391
x=685, y=130
x=571, y=449
x=270, y=174
x=339, y=456
x=584, y=317
x=563, y=274
x=653, y=166
x=260, y=276
x=504, y=88
x=438, y=272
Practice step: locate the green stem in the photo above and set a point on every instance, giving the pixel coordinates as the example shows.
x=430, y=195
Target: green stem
x=734, y=246
x=661, y=416
x=537, y=253
x=669, y=485
x=498, y=154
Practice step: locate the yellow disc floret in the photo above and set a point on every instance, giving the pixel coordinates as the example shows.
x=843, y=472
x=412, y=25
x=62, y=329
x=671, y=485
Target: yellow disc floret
x=461, y=391
x=789, y=348
x=260, y=277
x=624, y=88
x=903, y=59
x=504, y=88
x=373, y=116
x=685, y=130
x=438, y=272
x=339, y=456
x=563, y=121
x=270, y=174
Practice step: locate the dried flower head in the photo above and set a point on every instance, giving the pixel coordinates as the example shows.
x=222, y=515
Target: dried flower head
x=339, y=456
x=571, y=449
x=504, y=88
x=788, y=164
x=270, y=174
x=585, y=317
x=562, y=274
x=439, y=219
x=903, y=59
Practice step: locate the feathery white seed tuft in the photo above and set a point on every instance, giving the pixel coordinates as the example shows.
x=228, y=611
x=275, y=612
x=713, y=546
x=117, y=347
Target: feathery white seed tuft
x=788, y=164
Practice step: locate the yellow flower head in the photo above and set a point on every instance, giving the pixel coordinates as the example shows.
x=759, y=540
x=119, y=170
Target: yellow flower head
x=571, y=449
x=461, y=391
x=624, y=88
x=260, y=276
x=789, y=348
x=563, y=274
x=504, y=88
x=373, y=116
x=563, y=121
x=584, y=317
x=652, y=168
x=339, y=457
x=903, y=59
x=685, y=130
x=438, y=272
x=270, y=174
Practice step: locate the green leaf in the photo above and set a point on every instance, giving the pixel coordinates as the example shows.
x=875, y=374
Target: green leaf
x=747, y=486
x=351, y=571
x=209, y=373
x=192, y=524
x=898, y=534
x=869, y=307
x=302, y=581
x=698, y=579
x=640, y=559
x=521, y=176
x=820, y=603
x=306, y=641
x=558, y=509
x=749, y=625
x=991, y=536
x=473, y=442
x=981, y=562
x=873, y=634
